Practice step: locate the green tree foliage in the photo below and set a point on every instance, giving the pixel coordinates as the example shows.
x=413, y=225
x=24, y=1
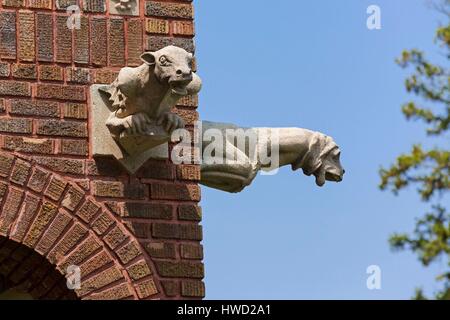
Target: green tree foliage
x=427, y=169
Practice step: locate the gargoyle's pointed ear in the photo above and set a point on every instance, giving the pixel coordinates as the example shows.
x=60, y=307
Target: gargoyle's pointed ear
x=148, y=58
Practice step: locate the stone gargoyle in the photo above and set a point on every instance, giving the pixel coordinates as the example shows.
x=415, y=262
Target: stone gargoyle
x=315, y=153
x=141, y=98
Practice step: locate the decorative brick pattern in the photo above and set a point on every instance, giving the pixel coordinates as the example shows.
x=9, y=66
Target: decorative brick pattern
x=26, y=36
x=133, y=236
x=81, y=40
x=98, y=43
x=173, y=10
x=44, y=34
x=157, y=26
x=51, y=72
x=40, y=4
x=116, y=42
x=63, y=40
x=34, y=108
x=8, y=41
x=134, y=42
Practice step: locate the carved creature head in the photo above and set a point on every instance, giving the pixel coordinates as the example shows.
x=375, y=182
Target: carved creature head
x=173, y=66
x=322, y=160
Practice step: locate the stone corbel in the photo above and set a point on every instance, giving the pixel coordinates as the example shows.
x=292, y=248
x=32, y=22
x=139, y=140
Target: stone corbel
x=131, y=117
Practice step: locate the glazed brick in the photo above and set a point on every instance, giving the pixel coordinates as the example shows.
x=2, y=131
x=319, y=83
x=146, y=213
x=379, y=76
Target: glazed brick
x=4, y=68
x=81, y=41
x=155, y=43
x=94, y=6
x=34, y=108
x=55, y=188
x=139, y=270
x=38, y=180
x=75, y=110
x=148, y=210
x=14, y=3
x=134, y=42
x=54, y=231
x=15, y=88
x=98, y=44
x=8, y=42
x=15, y=125
x=116, y=42
x=20, y=172
x=51, y=72
x=88, y=210
x=61, y=128
x=175, y=191
x=56, y=91
x=10, y=210
x=193, y=289
x=28, y=145
x=40, y=4
x=128, y=252
x=180, y=269
x=47, y=212
x=27, y=44
x=72, y=198
x=183, y=28
x=161, y=250
x=146, y=289
x=44, y=34
x=191, y=251
x=177, y=231
x=74, y=147
x=68, y=166
x=63, y=40
x=173, y=10
x=78, y=75
x=156, y=26
x=29, y=209
x=100, y=280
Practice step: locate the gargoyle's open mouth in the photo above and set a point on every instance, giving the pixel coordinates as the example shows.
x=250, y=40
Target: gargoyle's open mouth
x=331, y=176
x=180, y=86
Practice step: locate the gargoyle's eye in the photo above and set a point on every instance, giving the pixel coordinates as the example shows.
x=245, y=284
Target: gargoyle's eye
x=164, y=61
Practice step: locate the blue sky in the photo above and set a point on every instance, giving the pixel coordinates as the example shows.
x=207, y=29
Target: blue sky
x=315, y=65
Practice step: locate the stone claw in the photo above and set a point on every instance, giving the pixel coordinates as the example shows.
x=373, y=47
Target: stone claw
x=171, y=122
x=136, y=124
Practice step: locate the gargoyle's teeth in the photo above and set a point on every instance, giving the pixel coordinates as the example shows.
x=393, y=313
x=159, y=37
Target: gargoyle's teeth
x=180, y=91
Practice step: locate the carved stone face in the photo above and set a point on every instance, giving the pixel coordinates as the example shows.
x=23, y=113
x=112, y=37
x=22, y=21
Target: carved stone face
x=330, y=169
x=173, y=66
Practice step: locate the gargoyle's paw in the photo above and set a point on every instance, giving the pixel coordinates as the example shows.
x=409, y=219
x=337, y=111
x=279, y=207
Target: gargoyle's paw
x=171, y=122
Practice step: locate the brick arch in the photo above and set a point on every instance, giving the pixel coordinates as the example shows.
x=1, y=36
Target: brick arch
x=23, y=270
x=62, y=224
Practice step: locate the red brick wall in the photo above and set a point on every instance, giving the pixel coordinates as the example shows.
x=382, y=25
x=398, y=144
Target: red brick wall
x=134, y=236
